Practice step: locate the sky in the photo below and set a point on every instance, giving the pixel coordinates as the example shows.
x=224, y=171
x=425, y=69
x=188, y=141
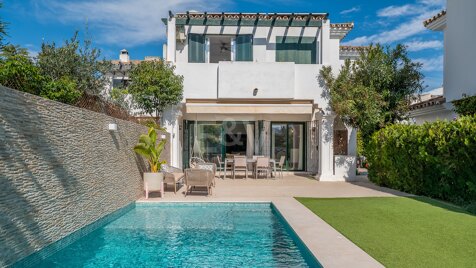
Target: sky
x=136, y=24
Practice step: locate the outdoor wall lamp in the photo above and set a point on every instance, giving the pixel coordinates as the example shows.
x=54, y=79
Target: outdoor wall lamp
x=255, y=91
x=112, y=127
x=163, y=136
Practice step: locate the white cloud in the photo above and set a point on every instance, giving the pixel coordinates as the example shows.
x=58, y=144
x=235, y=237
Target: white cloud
x=127, y=22
x=435, y=3
x=400, y=32
x=350, y=10
x=431, y=64
x=422, y=45
x=396, y=11
x=411, y=17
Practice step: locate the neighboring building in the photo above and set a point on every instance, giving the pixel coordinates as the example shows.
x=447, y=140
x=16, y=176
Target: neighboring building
x=251, y=87
x=430, y=106
x=119, y=76
x=459, y=75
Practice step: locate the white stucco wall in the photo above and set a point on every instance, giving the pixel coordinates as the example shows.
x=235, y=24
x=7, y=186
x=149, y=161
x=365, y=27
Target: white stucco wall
x=237, y=80
x=200, y=80
x=432, y=114
x=460, y=54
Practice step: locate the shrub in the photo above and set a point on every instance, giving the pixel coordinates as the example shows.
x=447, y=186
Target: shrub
x=63, y=90
x=465, y=106
x=435, y=159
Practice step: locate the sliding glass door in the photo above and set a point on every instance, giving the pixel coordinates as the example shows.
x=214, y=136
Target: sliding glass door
x=287, y=139
x=207, y=140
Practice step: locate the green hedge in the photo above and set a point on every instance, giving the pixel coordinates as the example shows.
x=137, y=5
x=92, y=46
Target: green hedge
x=435, y=159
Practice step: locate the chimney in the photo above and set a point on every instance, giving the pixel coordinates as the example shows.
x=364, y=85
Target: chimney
x=124, y=56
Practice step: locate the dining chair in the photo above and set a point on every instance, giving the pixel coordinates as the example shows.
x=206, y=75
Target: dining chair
x=280, y=164
x=262, y=164
x=221, y=166
x=240, y=164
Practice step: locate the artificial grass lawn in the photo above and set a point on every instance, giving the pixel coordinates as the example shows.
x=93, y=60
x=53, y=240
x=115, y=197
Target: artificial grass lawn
x=401, y=231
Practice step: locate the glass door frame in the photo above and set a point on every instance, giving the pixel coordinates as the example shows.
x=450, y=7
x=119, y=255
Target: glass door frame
x=304, y=149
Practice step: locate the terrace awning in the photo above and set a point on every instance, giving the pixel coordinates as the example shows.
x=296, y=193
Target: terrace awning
x=248, y=108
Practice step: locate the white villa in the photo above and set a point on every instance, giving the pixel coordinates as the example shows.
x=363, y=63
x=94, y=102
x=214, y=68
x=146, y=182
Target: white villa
x=251, y=87
x=459, y=73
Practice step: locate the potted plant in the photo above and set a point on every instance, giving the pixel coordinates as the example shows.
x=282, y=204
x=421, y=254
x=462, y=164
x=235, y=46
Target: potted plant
x=151, y=150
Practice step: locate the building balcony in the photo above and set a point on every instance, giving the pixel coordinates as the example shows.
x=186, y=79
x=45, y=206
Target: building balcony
x=251, y=80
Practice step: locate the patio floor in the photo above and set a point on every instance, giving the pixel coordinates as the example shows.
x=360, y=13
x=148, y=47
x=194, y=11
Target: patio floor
x=290, y=185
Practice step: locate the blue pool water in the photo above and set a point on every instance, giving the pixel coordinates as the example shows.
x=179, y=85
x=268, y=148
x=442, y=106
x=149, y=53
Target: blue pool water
x=189, y=235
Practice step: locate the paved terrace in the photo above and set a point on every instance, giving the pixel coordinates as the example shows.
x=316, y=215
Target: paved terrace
x=330, y=247
x=290, y=185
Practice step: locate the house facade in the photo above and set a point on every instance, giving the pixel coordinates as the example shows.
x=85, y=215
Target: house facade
x=252, y=87
x=459, y=78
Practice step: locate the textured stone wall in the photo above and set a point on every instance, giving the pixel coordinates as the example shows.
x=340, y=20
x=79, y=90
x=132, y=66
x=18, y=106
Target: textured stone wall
x=60, y=169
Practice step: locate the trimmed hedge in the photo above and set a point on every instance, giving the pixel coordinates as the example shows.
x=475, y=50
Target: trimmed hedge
x=435, y=159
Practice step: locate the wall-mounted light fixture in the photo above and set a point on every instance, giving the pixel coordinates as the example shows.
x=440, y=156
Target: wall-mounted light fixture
x=112, y=127
x=255, y=91
x=163, y=136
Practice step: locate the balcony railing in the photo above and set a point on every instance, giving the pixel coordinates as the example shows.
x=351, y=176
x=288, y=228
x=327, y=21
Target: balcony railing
x=250, y=80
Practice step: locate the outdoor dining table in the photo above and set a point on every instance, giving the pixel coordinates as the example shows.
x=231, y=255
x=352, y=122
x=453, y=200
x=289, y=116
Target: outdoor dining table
x=249, y=161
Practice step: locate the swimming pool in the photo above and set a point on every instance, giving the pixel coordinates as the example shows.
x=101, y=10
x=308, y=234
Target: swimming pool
x=189, y=235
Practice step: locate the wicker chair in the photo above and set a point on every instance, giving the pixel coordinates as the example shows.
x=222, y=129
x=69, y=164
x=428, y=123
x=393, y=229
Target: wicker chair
x=198, y=178
x=209, y=166
x=172, y=175
x=194, y=161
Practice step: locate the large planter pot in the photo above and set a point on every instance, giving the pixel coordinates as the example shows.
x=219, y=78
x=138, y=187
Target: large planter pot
x=153, y=182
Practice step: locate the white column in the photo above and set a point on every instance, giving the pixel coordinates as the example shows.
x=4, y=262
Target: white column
x=352, y=141
x=171, y=40
x=325, y=42
x=326, y=147
x=170, y=121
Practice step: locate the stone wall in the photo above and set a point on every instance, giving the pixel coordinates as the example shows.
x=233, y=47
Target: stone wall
x=60, y=170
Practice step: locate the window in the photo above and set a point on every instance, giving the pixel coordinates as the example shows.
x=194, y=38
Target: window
x=216, y=48
x=220, y=48
x=244, y=47
x=196, y=48
x=120, y=83
x=300, y=50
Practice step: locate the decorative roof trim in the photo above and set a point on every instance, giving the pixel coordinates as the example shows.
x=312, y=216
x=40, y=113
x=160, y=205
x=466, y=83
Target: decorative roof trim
x=251, y=19
x=350, y=52
x=345, y=25
x=437, y=22
x=340, y=30
x=353, y=48
x=436, y=100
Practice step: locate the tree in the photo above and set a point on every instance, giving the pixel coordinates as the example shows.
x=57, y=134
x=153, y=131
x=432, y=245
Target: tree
x=18, y=70
x=79, y=64
x=154, y=86
x=374, y=90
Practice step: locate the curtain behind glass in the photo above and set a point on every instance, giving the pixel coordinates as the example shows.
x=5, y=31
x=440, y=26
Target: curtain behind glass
x=250, y=141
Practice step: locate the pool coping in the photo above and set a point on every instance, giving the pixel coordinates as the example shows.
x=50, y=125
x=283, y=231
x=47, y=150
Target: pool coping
x=329, y=247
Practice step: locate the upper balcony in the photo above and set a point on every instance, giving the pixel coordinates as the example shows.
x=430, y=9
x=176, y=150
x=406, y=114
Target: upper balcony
x=251, y=81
